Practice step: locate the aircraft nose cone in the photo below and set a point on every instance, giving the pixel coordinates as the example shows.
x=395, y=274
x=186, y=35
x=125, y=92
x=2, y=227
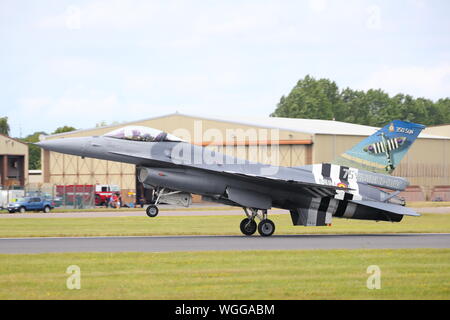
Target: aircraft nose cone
x=74, y=146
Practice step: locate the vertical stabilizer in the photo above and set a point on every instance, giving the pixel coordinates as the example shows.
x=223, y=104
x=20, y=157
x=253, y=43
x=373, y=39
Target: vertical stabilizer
x=382, y=151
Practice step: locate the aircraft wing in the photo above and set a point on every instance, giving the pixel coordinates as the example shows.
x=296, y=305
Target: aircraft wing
x=314, y=189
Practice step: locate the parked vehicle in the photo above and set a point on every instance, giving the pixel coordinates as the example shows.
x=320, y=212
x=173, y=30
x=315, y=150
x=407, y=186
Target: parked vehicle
x=90, y=195
x=7, y=196
x=30, y=204
x=57, y=201
x=103, y=193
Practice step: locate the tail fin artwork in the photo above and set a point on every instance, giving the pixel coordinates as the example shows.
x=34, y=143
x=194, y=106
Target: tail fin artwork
x=382, y=151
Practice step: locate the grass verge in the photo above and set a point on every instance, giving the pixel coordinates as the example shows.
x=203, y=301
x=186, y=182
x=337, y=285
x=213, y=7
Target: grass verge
x=205, y=225
x=428, y=204
x=329, y=274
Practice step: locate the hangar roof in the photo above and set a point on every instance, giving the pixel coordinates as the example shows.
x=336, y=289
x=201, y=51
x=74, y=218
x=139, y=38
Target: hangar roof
x=11, y=146
x=311, y=126
x=441, y=130
x=4, y=136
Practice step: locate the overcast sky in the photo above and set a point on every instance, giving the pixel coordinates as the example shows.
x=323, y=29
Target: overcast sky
x=80, y=62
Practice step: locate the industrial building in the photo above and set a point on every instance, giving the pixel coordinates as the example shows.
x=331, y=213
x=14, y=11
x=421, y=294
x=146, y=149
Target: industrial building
x=13, y=163
x=441, y=130
x=291, y=142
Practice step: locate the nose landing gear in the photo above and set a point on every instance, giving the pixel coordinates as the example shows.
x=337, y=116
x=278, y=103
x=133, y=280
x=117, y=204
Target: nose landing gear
x=152, y=211
x=248, y=226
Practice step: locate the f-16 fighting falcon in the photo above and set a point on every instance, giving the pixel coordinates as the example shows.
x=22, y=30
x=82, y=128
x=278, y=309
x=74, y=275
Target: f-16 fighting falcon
x=357, y=185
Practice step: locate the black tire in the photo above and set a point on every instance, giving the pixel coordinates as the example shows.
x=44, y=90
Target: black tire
x=22, y=210
x=11, y=211
x=266, y=228
x=46, y=209
x=152, y=211
x=248, y=227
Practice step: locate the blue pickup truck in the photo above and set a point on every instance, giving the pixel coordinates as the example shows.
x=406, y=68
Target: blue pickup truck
x=30, y=204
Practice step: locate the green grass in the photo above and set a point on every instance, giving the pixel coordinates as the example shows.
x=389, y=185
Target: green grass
x=328, y=274
x=205, y=225
x=428, y=204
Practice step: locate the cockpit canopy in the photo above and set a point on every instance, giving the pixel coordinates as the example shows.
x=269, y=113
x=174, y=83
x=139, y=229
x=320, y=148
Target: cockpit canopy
x=140, y=133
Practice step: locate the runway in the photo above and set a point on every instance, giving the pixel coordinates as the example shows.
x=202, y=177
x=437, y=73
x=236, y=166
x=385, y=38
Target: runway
x=223, y=243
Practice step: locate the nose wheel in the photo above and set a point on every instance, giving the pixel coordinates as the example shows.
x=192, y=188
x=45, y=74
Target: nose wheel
x=265, y=227
x=152, y=211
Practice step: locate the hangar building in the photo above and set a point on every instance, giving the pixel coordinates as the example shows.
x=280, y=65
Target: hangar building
x=13, y=162
x=296, y=142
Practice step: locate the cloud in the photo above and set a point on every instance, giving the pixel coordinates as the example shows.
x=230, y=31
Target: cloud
x=317, y=5
x=103, y=14
x=430, y=82
x=72, y=66
x=93, y=59
x=69, y=109
x=192, y=84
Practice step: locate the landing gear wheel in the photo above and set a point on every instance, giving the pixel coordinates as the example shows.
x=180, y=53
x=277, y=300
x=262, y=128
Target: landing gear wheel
x=266, y=228
x=152, y=211
x=248, y=227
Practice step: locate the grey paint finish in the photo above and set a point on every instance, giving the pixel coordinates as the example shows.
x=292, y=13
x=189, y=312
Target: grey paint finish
x=223, y=243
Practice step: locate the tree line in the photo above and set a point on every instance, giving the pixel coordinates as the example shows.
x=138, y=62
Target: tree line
x=322, y=99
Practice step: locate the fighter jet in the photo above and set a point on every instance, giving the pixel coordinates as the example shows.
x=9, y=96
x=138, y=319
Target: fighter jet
x=357, y=185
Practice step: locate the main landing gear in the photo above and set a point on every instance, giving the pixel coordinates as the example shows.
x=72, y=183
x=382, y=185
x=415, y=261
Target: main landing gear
x=265, y=226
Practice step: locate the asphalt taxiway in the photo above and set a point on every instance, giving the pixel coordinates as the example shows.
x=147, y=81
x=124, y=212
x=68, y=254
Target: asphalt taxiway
x=221, y=243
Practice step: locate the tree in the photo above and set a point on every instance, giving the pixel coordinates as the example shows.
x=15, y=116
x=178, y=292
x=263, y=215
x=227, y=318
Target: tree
x=4, y=126
x=34, y=152
x=310, y=98
x=322, y=99
x=441, y=111
x=377, y=105
x=64, y=129
x=352, y=107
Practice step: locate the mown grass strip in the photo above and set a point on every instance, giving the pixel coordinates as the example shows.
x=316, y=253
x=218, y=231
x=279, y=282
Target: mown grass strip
x=328, y=274
x=205, y=225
